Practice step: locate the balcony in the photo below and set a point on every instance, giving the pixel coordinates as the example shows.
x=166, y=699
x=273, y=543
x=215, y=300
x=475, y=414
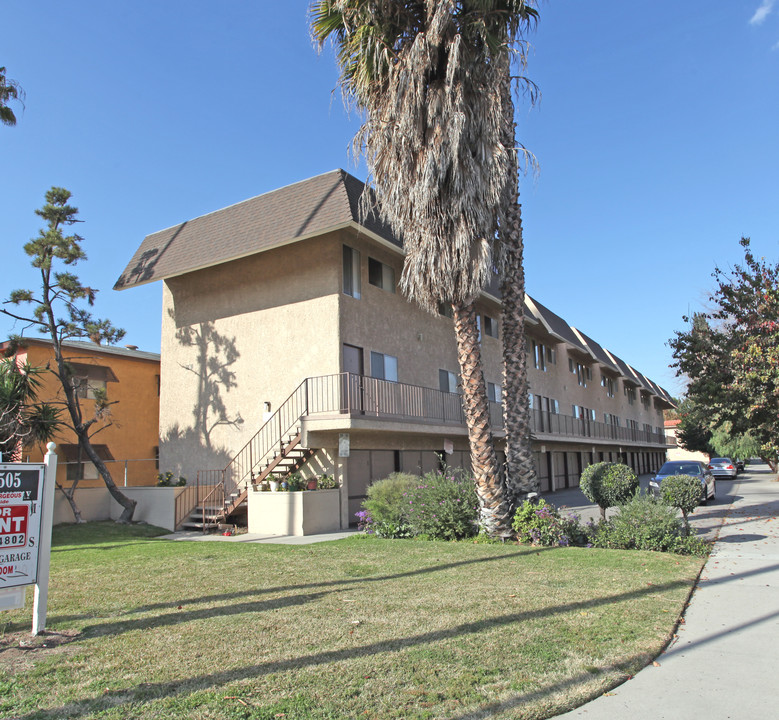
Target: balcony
x=362, y=398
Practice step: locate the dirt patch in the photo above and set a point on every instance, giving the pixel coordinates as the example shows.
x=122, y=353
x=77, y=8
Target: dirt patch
x=20, y=650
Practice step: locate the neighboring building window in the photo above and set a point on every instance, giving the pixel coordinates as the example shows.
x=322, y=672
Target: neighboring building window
x=381, y=275
x=494, y=392
x=645, y=400
x=384, y=367
x=351, y=280
x=78, y=465
x=157, y=378
x=632, y=424
x=610, y=419
x=647, y=428
x=607, y=383
x=630, y=393
x=490, y=326
x=90, y=379
x=551, y=355
x=447, y=381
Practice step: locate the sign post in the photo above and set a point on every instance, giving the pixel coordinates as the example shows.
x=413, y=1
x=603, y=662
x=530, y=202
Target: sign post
x=26, y=513
x=41, y=598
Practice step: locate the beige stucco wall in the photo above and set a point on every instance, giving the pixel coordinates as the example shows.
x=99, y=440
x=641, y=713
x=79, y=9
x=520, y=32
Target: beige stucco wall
x=386, y=322
x=237, y=336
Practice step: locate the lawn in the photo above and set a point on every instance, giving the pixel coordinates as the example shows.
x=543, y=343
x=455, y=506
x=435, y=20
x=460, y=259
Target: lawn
x=141, y=627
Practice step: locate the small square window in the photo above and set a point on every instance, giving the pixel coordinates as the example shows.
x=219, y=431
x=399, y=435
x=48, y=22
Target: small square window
x=490, y=326
x=384, y=367
x=447, y=381
x=381, y=275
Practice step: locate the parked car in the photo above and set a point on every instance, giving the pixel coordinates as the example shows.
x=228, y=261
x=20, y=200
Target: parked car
x=723, y=467
x=687, y=467
x=739, y=466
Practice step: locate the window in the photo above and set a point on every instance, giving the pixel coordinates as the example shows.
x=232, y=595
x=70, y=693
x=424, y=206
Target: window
x=381, y=275
x=494, y=392
x=583, y=373
x=546, y=404
x=610, y=419
x=632, y=424
x=384, y=367
x=630, y=393
x=447, y=381
x=583, y=413
x=352, y=285
x=645, y=399
x=446, y=310
x=90, y=379
x=607, y=383
x=543, y=356
x=78, y=465
x=490, y=326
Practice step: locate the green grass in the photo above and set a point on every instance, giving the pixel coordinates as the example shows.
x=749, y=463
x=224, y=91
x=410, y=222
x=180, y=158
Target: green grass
x=149, y=628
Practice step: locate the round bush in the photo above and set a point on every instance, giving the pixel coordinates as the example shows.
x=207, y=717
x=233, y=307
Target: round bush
x=608, y=484
x=681, y=491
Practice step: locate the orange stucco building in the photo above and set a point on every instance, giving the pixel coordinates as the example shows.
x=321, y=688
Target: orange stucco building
x=131, y=378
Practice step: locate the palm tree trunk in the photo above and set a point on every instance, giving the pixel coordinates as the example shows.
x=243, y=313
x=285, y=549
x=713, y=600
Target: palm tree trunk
x=494, y=510
x=521, y=477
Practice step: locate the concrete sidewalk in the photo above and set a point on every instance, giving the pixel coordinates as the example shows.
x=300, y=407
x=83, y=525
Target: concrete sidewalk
x=723, y=662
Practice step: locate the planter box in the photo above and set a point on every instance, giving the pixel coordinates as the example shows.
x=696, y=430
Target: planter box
x=306, y=512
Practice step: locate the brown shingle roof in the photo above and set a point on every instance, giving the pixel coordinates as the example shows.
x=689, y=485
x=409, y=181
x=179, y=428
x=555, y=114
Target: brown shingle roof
x=303, y=209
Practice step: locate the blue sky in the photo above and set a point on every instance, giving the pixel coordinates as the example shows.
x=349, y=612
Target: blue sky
x=656, y=136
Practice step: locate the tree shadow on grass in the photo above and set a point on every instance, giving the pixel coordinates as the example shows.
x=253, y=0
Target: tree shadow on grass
x=151, y=691
x=340, y=583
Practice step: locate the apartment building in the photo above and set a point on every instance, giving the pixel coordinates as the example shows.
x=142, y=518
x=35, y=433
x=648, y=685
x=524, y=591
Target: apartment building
x=130, y=436
x=282, y=323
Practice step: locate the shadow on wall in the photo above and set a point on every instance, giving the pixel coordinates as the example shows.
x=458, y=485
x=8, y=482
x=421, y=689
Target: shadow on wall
x=192, y=448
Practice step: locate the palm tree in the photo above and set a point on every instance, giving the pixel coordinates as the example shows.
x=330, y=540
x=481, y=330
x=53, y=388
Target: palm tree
x=23, y=420
x=427, y=77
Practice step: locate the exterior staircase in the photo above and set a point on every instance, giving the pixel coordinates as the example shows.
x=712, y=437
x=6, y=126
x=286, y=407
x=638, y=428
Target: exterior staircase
x=272, y=454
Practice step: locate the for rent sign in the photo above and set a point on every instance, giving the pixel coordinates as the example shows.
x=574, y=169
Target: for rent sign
x=21, y=491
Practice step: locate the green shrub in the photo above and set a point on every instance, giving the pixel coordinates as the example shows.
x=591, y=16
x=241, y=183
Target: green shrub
x=540, y=523
x=385, y=511
x=683, y=492
x=646, y=523
x=608, y=484
x=443, y=506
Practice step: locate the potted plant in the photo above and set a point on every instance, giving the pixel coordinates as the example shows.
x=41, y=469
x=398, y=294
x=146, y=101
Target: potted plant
x=274, y=484
x=311, y=484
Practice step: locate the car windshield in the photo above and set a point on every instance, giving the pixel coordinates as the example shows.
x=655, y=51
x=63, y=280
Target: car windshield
x=676, y=468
